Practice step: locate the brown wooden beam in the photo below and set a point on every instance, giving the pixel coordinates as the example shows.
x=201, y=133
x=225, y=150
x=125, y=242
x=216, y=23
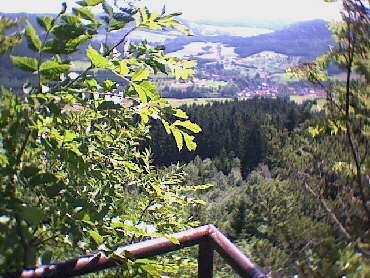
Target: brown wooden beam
x=208, y=237
x=233, y=256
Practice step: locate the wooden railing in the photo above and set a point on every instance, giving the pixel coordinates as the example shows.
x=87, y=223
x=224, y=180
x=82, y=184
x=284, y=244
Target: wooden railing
x=208, y=238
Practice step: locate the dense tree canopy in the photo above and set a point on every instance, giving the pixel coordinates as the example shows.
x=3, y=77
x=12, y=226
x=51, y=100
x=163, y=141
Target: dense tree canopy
x=231, y=129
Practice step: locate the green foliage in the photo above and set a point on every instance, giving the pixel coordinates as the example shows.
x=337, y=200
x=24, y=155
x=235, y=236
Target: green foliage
x=74, y=179
x=45, y=22
x=96, y=59
x=51, y=70
x=33, y=39
x=8, y=42
x=25, y=63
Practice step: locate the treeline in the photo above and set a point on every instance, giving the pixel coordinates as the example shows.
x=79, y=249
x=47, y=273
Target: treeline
x=230, y=129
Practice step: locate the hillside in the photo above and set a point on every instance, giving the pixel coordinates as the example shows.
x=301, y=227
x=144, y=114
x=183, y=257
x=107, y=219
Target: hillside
x=308, y=39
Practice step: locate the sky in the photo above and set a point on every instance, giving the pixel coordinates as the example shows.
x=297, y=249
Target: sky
x=215, y=10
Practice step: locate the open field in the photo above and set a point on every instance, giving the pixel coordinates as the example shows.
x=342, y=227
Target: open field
x=302, y=99
x=320, y=101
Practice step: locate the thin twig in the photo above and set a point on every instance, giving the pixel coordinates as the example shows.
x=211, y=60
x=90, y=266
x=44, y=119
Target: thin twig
x=329, y=211
x=22, y=149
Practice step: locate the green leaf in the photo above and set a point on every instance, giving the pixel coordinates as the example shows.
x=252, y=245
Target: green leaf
x=178, y=137
x=32, y=215
x=96, y=59
x=123, y=68
x=90, y=3
x=315, y=130
x=150, y=89
x=166, y=126
x=85, y=14
x=46, y=22
x=109, y=85
x=189, y=142
x=96, y=237
x=180, y=114
x=108, y=105
x=88, y=222
x=33, y=39
x=144, y=14
x=140, y=75
x=118, y=24
x=141, y=92
x=69, y=135
x=183, y=73
x=177, y=25
x=189, y=64
x=173, y=239
x=51, y=69
x=53, y=190
x=25, y=63
x=188, y=125
x=92, y=84
x=366, y=130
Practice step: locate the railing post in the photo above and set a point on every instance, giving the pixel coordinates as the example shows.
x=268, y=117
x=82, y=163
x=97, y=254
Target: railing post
x=207, y=237
x=205, y=258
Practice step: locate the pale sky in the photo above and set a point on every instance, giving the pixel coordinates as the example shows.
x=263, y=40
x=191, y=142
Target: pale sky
x=229, y=10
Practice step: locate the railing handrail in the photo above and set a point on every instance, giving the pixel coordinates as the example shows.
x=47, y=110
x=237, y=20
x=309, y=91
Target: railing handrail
x=208, y=237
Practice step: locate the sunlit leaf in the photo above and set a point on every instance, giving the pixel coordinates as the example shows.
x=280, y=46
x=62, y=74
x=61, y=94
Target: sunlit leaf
x=33, y=39
x=92, y=84
x=180, y=114
x=46, y=22
x=141, y=92
x=123, y=68
x=140, y=75
x=173, y=239
x=96, y=237
x=96, y=59
x=25, y=63
x=52, y=69
x=178, y=137
x=189, y=125
x=90, y=3
x=85, y=13
x=189, y=142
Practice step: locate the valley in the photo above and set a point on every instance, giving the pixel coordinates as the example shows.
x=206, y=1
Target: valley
x=232, y=61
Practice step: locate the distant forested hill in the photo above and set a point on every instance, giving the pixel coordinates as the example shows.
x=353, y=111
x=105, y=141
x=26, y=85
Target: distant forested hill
x=308, y=39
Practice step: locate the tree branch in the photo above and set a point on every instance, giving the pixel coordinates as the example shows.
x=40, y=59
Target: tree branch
x=329, y=211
